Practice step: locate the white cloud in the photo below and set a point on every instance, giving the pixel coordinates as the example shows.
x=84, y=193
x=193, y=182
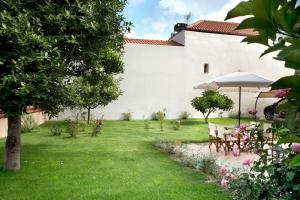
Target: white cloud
x=131, y=34
x=200, y=9
x=159, y=26
x=220, y=14
x=174, y=6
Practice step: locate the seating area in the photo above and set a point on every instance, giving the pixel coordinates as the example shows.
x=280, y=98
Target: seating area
x=246, y=137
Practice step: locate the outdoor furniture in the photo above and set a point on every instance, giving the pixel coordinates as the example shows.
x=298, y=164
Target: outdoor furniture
x=236, y=80
x=213, y=139
x=226, y=140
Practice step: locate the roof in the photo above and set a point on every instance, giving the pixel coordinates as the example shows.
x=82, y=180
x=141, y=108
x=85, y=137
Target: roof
x=151, y=42
x=220, y=27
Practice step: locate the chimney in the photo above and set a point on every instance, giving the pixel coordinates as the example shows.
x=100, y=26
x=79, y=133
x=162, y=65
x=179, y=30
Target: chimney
x=179, y=27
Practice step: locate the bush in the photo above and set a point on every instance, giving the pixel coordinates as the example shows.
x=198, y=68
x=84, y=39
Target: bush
x=146, y=124
x=28, y=123
x=72, y=128
x=97, y=128
x=126, y=116
x=177, y=125
x=210, y=102
x=160, y=116
x=56, y=129
x=269, y=178
x=184, y=116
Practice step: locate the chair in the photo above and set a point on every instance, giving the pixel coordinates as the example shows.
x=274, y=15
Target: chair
x=213, y=139
x=225, y=139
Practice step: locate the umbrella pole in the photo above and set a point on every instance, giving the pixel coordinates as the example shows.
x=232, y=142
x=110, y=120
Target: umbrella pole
x=240, y=97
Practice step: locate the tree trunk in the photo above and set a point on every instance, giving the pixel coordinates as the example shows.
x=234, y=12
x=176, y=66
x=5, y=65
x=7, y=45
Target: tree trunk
x=89, y=115
x=13, y=144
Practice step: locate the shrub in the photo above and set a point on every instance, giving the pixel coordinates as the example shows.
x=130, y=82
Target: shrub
x=97, y=128
x=269, y=178
x=184, y=116
x=177, y=125
x=160, y=116
x=27, y=123
x=56, y=129
x=72, y=128
x=211, y=101
x=126, y=116
x=146, y=124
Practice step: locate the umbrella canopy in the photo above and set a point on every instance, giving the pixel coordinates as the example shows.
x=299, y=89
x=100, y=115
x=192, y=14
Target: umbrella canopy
x=236, y=80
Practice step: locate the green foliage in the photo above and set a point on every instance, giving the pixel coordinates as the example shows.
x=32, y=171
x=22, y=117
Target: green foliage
x=91, y=95
x=211, y=101
x=184, y=116
x=270, y=178
x=97, y=128
x=160, y=116
x=27, y=123
x=278, y=27
x=177, y=125
x=72, y=128
x=45, y=44
x=146, y=124
x=56, y=129
x=126, y=116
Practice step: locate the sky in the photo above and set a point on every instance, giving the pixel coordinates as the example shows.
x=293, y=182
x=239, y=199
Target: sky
x=155, y=19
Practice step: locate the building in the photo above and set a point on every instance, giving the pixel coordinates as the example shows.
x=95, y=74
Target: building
x=162, y=74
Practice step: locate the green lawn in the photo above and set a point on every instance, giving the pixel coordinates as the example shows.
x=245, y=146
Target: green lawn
x=122, y=163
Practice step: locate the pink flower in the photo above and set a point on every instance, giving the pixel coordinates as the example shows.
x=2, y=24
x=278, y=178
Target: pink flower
x=233, y=177
x=247, y=162
x=282, y=92
x=243, y=126
x=295, y=147
x=252, y=111
x=235, y=150
x=224, y=183
x=236, y=133
x=223, y=171
x=245, y=139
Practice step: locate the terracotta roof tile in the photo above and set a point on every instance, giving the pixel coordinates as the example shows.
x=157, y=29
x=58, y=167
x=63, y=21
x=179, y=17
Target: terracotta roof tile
x=151, y=42
x=220, y=27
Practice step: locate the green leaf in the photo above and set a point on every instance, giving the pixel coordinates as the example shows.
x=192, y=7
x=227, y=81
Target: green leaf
x=275, y=47
x=287, y=82
x=262, y=10
x=295, y=162
x=260, y=39
x=288, y=140
x=242, y=9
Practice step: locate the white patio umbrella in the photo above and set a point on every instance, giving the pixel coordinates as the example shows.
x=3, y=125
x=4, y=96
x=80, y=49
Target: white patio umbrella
x=236, y=82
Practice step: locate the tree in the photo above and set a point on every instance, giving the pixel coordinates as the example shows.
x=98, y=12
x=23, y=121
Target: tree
x=278, y=28
x=90, y=96
x=210, y=102
x=43, y=46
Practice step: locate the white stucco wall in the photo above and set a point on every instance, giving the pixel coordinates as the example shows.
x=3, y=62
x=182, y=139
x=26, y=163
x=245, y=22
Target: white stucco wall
x=158, y=77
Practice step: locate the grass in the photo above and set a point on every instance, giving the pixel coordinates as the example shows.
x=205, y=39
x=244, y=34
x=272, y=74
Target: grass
x=121, y=163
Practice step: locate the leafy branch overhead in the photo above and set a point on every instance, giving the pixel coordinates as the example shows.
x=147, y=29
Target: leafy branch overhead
x=277, y=23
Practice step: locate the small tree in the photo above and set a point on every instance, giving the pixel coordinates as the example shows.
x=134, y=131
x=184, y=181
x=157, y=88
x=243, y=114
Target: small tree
x=210, y=102
x=90, y=96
